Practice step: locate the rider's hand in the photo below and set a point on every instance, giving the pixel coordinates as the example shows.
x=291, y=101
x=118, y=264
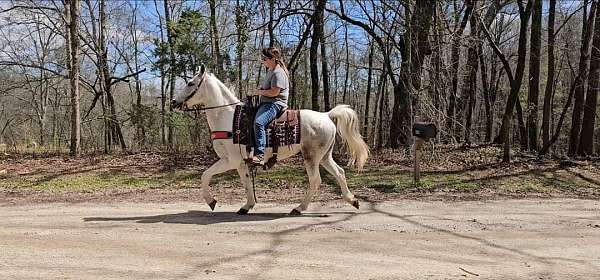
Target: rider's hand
x=254, y=93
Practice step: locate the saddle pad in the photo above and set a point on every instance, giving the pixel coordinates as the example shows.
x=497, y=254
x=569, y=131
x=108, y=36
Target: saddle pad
x=285, y=130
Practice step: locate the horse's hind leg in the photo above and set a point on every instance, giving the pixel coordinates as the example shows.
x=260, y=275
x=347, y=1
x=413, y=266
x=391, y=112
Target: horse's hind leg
x=218, y=167
x=334, y=169
x=314, y=179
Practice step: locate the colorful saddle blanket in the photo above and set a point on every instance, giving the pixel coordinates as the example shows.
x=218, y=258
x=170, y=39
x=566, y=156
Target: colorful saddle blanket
x=283, y=131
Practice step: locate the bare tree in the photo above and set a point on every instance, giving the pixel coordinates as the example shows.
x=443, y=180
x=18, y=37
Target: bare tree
x=470, y=84
x=317, y=22
x=72, y=15
x=534, y=75
x=551, y=75
x=584, y=64
x=586, y=140
x=514, y=80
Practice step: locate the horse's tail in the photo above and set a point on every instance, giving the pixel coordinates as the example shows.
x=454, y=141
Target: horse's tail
x=348, y=128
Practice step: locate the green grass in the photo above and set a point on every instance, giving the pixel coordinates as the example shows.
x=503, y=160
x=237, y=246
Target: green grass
x=384, y=179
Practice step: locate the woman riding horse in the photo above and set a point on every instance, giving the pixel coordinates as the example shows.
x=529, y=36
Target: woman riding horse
x=273, y=94
x=318, y=132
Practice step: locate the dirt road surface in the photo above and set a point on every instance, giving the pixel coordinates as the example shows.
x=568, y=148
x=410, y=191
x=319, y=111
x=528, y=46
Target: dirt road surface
x=406, y=239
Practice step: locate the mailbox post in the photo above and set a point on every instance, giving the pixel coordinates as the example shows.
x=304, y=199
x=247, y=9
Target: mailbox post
x=422, y=132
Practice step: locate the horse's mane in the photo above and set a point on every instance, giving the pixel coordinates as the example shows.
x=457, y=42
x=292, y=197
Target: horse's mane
x=228, y=93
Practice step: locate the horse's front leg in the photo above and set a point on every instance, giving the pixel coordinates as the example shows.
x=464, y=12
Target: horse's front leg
x=218, y=167
x=247, y=182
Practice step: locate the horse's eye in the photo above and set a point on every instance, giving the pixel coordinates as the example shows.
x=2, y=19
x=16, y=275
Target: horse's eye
x=190, y=84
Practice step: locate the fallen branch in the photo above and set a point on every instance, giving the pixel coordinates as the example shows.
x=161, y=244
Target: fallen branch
x=468, y=271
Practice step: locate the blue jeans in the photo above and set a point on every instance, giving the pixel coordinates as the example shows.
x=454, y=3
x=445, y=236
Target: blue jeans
x=266, y=113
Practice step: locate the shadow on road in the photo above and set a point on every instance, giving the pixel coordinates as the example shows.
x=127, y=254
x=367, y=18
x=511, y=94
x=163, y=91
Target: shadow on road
x=202, y=218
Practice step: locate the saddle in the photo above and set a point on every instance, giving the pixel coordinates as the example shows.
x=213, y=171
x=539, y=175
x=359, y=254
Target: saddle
x=283, y=131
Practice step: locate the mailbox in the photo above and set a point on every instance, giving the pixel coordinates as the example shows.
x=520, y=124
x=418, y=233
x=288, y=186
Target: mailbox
x=425, y=131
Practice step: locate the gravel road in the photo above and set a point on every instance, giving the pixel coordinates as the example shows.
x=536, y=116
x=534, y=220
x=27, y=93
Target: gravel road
x=404, y=239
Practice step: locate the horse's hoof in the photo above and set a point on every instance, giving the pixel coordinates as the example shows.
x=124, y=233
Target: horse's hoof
x=356, y=204
x=212, y=205
x=295, y=213
x=242, y=211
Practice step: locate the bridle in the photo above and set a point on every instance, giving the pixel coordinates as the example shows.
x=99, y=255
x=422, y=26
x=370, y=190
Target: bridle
x=195, y=90
x=205, y=108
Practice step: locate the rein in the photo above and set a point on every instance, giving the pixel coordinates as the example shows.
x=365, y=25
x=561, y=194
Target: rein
x=213, y=107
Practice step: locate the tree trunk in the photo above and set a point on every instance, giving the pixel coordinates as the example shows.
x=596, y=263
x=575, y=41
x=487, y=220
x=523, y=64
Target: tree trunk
x=584, y=64
x=103, y=77
x=270, y=26
x=534, y=75
x=521, y=125
x=516, y=82
x=586, y=143
x=214, y=34
x=171, y=70
x=347, y=71
x=140, y=134
x=382, y=97
x=324, y=66
x=73, y=61
x=317, y=20
x=241, y=24
x=114, y=126
x=487, y=82
x=470, y=83
x=163, y=101
x=368, y=95
x=455, y=63
x=550, y=80
x=489, y=123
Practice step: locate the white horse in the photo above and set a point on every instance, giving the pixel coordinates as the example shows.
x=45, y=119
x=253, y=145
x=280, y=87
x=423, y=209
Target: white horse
x=318, y=137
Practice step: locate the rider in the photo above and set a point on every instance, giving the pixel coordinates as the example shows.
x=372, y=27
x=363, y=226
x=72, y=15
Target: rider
x=273, y=94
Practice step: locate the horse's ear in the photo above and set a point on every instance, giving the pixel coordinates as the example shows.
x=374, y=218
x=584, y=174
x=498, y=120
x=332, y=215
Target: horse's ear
x=201, y=69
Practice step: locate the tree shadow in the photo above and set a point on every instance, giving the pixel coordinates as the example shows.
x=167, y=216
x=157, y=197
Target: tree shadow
x=481, y=241
x=272, y=251
x=202, y=218
x=587, y=179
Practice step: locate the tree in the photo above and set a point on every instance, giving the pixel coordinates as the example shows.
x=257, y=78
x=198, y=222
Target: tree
x=514, y=80
x=586, y=37
x=470, y=84
x=584, y=64
x=241, y=26
x=214, y=34
x=586, y=143
x=324, y=65
x=72, y=15
x=455, y=64
x=172, y=62
x=317, y=23
x=551, y=75
x=534, y=75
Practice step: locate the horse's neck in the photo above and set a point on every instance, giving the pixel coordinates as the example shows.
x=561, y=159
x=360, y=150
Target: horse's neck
x=221, y=119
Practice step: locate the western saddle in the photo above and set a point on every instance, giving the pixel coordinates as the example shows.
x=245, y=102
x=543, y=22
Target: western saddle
x=283, y=131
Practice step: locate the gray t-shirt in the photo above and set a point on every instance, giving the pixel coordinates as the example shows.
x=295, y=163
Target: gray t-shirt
x=276, y=78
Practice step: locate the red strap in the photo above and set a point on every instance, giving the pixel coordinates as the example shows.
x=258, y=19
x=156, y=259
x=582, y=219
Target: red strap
x=215, y=135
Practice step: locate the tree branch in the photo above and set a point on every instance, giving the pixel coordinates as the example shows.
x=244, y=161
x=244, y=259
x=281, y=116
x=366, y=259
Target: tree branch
x=27, y=8
x=115, y=80
x=499, y=53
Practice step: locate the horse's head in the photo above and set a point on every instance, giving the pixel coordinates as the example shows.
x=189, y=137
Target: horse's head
x=194, y=92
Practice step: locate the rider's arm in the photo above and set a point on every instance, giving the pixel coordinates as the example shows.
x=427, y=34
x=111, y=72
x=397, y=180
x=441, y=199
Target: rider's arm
x=272, y=92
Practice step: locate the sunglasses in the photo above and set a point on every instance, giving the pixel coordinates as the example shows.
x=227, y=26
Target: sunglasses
x=264, y=58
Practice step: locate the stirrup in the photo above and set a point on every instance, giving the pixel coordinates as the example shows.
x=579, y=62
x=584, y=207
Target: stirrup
x=258, y=161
